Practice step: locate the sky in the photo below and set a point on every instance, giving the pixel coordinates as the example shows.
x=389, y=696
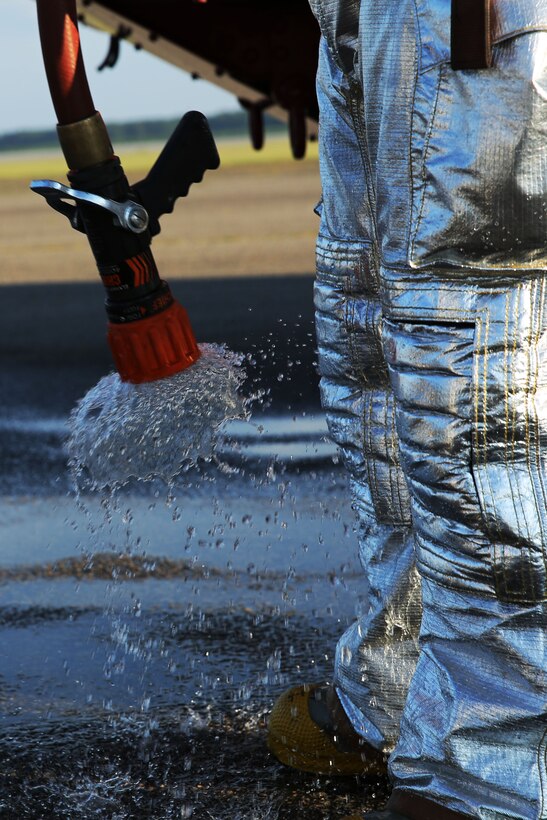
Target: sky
x=139, y=87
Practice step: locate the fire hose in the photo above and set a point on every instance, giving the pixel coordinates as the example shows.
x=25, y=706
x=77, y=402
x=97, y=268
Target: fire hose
x=149, y=332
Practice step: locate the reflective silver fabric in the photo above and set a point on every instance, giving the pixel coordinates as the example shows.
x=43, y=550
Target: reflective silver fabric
x=376, y=657
x=432, y=260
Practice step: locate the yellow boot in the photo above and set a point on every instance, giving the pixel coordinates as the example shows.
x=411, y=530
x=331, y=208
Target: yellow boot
x=309, y=730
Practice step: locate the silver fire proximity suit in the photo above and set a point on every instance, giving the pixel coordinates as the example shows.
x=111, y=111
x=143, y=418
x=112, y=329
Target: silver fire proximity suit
x=431, y=311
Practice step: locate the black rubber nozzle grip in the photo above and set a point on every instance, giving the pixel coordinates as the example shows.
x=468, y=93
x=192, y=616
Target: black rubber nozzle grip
x=189, y=152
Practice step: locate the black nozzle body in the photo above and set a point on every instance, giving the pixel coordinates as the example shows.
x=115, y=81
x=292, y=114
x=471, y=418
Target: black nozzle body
x=124, y=259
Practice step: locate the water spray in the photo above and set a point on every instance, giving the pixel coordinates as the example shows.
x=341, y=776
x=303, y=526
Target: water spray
x=149, y=332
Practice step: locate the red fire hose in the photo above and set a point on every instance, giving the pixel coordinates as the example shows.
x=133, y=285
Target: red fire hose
x=60, y=39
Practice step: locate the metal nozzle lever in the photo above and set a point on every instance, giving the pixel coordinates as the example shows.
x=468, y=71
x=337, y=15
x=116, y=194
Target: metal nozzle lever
x=128, y=215
x=189, y=152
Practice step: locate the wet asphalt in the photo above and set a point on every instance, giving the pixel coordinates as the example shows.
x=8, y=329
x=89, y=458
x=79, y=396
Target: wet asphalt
x=145, y=637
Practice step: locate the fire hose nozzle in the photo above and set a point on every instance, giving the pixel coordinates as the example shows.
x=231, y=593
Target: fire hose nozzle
x=149, y=333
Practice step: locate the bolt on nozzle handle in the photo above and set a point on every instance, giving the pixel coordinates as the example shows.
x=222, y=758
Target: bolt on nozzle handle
x=189, y=152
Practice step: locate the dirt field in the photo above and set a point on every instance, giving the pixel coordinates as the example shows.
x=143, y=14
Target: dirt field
x=254, y=216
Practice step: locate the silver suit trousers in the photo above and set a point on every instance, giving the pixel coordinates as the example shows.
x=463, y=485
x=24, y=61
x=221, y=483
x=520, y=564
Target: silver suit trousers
x=432, y=331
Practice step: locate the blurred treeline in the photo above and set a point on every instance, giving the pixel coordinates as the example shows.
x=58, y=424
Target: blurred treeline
x=233, y=124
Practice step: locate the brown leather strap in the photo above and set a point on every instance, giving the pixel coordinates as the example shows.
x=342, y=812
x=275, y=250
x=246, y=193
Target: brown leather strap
x=415, y=807
x=470, y=39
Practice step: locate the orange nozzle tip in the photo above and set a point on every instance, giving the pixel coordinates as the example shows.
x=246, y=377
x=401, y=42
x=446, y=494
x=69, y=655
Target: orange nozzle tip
x=153, y=348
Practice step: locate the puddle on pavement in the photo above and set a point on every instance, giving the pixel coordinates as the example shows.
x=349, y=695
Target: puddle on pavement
x=195, y=746
x=146, y=639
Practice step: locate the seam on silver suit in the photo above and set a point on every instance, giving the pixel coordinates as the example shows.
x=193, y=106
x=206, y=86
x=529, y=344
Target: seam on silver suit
x=414, y=231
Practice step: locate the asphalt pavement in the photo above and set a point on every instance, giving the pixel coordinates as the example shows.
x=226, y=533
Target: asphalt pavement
x=53, y=337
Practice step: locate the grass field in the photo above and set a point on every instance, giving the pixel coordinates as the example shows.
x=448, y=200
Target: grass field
x=138, y=158
x=252, y=216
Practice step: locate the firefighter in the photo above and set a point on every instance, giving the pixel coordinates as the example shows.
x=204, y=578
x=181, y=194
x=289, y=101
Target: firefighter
x=432, y=330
